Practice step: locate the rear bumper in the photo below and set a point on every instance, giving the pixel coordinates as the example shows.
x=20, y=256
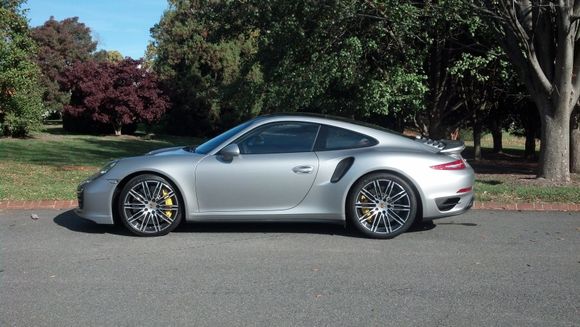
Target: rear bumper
x=464, y=203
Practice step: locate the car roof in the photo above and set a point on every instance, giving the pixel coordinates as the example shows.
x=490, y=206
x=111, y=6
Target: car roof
x=352, y=124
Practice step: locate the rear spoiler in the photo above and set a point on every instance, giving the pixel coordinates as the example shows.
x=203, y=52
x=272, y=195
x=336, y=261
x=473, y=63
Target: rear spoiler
x=443, y=146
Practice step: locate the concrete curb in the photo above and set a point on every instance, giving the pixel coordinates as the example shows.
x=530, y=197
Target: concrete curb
x=71, y=204
x=44, y=204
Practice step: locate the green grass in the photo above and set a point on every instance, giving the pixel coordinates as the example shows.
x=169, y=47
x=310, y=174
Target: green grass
x=510, y=142
x=50, y=164
x=507, y=192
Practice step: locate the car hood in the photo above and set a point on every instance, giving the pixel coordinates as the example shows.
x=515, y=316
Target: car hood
x=177, y=150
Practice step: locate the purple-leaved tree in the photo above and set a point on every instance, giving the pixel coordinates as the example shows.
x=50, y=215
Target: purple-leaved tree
x=115, y=94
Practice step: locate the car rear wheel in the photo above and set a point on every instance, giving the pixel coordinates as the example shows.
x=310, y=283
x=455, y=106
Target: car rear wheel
x=382, y=205
x=149, y=205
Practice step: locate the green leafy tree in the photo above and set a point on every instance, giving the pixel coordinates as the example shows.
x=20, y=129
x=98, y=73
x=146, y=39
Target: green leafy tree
x=345, y=58
x=205, y=74
x=228, y=60
x=60, y=45
x=20, y=94
x=110, y=56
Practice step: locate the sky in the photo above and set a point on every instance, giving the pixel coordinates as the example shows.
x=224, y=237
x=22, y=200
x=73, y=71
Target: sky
x=121, y=25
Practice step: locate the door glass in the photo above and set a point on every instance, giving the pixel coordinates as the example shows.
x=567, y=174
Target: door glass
x=284, y=137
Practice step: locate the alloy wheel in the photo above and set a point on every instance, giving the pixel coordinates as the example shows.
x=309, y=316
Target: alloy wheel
x=383, y=206
x=150, y=206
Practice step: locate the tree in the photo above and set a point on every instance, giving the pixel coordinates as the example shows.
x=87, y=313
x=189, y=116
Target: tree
x=279, y=55
x=116, y=94
x=541, y=39
x=60, y=45
x=345, y=58
x=575, y=141
x=110, y=56
x=203, y=73
x=20, y=98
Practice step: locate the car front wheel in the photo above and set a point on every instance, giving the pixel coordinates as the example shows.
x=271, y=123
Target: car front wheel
x=149, y=205
x=382, y=205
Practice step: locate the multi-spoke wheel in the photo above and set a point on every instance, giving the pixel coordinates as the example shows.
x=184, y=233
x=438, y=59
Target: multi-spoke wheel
x=382, y=205
x=149, y=206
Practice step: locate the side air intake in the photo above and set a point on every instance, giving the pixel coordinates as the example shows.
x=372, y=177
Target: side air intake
x=341, y=169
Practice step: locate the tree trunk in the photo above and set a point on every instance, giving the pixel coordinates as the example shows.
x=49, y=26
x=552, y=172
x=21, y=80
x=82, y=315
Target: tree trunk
x=575, y=141
x=531, y=121
x=117, y=128
x=555, y=147
x=476, y=136
x=435, y=129
x=530, y=149
x=497, y=136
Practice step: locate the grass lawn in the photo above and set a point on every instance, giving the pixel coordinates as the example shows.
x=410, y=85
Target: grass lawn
x=509, y=178
x=50, y=164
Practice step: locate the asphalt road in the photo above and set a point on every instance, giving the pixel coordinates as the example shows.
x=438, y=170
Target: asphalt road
x=483, y=268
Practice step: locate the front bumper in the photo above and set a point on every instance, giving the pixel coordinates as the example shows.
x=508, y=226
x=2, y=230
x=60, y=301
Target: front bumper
x=95, y=198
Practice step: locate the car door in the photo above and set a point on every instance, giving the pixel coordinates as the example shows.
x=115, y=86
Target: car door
x=274, y=171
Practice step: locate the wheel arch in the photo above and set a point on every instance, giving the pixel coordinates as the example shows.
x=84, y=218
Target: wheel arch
x=419, y=214
x=126, y=179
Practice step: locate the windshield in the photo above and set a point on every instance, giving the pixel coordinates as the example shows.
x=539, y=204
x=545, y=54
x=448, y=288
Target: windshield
x=208, y=146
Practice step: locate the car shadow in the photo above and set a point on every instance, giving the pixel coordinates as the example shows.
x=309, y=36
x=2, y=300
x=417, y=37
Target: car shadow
x=71, y=221
x=265, y=227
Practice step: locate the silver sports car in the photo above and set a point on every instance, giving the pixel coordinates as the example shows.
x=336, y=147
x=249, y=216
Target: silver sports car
x=286, y=167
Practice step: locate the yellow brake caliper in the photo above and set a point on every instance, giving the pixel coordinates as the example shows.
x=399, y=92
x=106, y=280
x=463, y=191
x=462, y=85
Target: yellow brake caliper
x=363, y=199
x=168, y=202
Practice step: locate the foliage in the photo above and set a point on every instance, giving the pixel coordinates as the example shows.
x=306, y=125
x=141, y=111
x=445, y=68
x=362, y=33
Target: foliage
x=345, y=58
x=60, y=45
x=203, y=73
x=20, y=98
x=110, y=56
x=279, y=55
x=115, y=94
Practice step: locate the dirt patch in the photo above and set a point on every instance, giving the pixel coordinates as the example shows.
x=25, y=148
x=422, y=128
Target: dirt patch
x=77, y=168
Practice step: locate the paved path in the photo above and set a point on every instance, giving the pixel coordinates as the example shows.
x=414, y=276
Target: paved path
x=483, y=268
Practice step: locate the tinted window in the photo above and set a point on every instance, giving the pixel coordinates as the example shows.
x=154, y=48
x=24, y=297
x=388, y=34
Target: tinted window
x=206, y=147
x=334, y=138
x=279, y=138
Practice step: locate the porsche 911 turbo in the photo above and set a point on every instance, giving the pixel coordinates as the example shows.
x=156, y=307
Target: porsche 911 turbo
x=286, y=167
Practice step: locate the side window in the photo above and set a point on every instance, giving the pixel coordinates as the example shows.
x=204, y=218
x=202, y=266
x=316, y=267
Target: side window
x=335, y=138
x=284, y=137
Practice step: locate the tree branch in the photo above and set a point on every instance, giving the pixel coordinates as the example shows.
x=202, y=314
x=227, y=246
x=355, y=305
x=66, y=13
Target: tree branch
x=564, y=56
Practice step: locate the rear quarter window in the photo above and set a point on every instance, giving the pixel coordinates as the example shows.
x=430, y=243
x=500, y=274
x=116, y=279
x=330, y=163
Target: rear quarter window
x=335, y=138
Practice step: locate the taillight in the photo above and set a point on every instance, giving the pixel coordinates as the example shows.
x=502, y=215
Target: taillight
x=454, y=165
x=465, y=189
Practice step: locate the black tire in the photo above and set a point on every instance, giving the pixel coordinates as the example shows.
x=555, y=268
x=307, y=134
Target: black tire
x=384, y=211
x=150, y=205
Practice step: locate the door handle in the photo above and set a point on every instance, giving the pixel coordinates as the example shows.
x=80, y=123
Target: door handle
x=303, y=169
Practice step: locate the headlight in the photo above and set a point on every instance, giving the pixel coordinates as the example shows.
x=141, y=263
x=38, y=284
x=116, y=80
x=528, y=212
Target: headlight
x=106, y=168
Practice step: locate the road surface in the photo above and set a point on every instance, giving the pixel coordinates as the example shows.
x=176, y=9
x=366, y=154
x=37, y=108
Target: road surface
x=480, y=269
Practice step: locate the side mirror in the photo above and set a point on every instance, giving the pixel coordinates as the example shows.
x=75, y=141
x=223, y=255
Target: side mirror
x=229, y=152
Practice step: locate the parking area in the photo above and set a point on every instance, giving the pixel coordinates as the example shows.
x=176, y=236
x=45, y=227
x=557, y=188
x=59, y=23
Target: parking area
x=482, y=268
